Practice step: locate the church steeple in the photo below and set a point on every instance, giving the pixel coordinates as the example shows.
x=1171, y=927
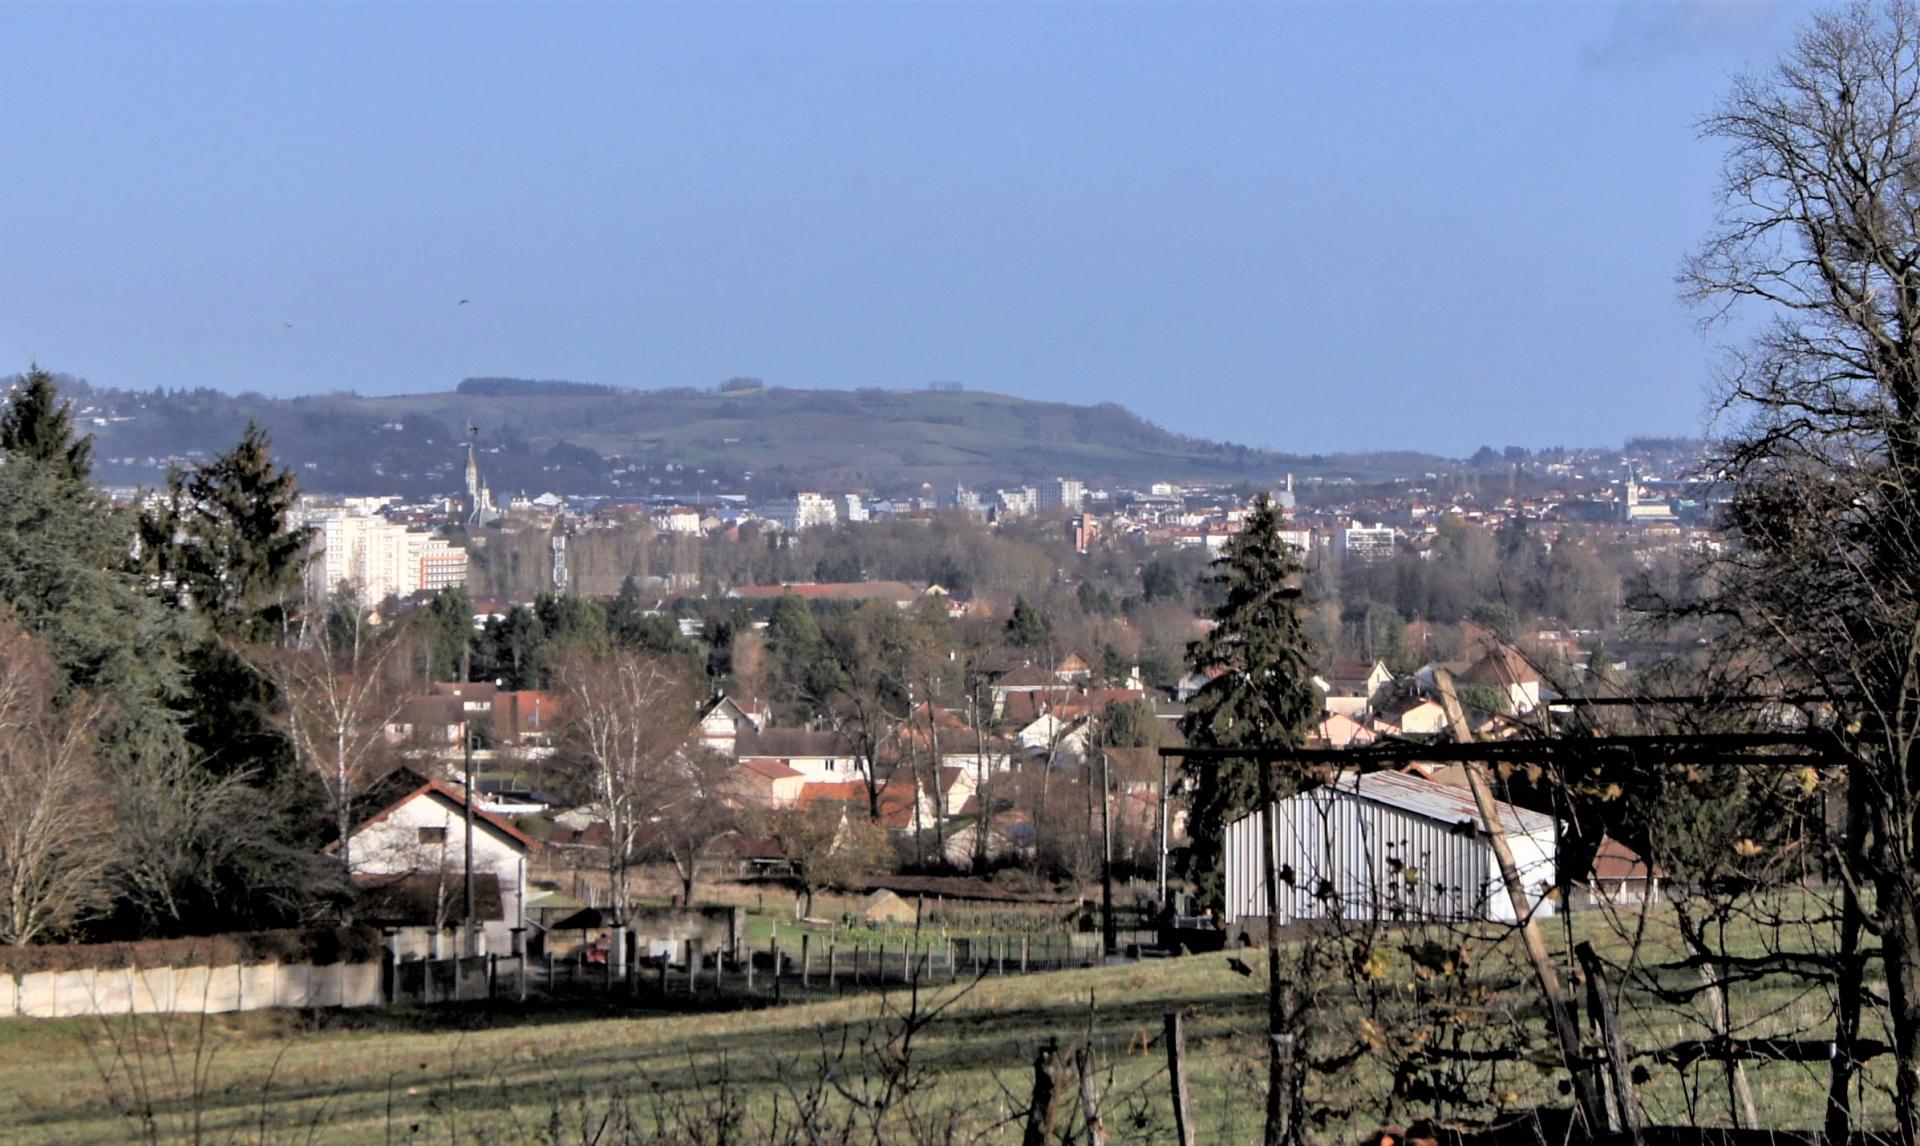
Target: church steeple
x=478, y=504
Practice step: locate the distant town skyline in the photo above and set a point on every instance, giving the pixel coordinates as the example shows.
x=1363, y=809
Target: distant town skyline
x=1309, y=227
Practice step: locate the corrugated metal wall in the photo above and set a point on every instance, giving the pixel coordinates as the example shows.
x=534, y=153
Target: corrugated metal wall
x=1350, y=856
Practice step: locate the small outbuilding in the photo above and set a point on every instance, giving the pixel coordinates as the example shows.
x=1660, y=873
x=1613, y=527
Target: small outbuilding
x=884, y=906
x=1387, y=845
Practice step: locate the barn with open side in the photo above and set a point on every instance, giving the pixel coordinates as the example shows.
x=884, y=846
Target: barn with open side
x=1387, y=845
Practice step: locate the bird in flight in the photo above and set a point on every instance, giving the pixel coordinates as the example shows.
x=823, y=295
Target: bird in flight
x=288, y=325
x=462, y=302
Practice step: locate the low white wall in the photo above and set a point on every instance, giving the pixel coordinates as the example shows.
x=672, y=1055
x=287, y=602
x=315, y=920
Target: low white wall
x=192, y=990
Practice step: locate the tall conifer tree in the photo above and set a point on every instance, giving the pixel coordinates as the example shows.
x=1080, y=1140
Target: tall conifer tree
x=1262, y=690
x=37, y=425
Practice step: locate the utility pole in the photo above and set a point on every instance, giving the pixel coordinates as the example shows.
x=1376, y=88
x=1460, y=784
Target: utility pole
x=1109, y=935
x=1165, y=764
x=466, y=752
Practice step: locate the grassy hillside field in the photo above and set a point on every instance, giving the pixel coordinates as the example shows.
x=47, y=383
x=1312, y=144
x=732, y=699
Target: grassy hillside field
x=541, y=1075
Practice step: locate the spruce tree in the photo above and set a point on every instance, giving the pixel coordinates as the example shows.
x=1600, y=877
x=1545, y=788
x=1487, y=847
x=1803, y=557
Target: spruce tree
x=225, y=543
x=38, y=426
x=1261, y=692
x=1028, y=627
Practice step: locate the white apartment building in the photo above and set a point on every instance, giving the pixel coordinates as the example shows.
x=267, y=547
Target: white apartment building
x=677, y=519
x=354, y=546
x=852, y=509
x=805, y=511
x=1367, y=543
x=1063, y=494
x=1018, y=502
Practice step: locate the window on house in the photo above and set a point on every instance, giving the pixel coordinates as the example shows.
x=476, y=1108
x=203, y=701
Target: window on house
x=433, y=837
x=829, y=765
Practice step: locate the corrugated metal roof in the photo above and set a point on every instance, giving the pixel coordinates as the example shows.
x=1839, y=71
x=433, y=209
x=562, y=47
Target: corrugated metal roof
x=1445, y=802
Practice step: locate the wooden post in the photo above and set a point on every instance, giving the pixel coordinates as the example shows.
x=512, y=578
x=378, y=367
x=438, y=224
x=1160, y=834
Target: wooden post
x=1024, y=939
x=693, y=967
x=806, y=960
x=1624, y=1115
x=1109, y=938
x=1559, y=1010
x=749, y=951
x=1284, y=1063
x=950, y=975
x=1000, y=967
x=1043, y=1108
x=1740, y=1094
x=833, y=970
x=1279, y=1035
x=1090, y=1094
x=1176, y=1038
x=773, y=949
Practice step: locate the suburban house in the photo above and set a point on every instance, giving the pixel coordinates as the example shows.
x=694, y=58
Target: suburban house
x=724, y=719
x=416, y=835
x=1352, y=687
x=1621, y=877
x=1507, y=672
x=819, y=756
x=1386, y=845
x=1417, y=716
x=1073, y=669
x=767, y=783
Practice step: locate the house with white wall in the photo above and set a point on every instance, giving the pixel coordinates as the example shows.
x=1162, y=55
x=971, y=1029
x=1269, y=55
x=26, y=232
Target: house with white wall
x=418, y=832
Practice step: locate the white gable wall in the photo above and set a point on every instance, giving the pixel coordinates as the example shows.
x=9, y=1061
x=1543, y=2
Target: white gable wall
x=395, y=845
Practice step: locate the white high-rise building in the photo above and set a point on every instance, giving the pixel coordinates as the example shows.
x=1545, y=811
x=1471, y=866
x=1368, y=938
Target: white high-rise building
x=1064, y=494
x=354, y=546
x=805, y=511
x=852, y=509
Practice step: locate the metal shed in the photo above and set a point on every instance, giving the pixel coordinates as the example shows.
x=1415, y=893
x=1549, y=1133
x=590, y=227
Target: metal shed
x=1387, y=845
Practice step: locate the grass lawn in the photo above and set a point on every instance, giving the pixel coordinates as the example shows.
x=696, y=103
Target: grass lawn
x=517, y=1075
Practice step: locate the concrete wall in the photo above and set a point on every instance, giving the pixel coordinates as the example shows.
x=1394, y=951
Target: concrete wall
x=444, y=980
x=661, y=929
x=154, y=990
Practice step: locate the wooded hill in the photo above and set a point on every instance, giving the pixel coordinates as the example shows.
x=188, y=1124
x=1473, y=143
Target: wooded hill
x=579, y=438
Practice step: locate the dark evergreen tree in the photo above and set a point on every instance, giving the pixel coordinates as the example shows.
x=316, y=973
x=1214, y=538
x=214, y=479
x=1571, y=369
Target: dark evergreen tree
x=446, y=630
x=1028, y=627
x=1262, y=690
x=631, y=625
x=809, y=671
x=37, y=425
x=224, y=544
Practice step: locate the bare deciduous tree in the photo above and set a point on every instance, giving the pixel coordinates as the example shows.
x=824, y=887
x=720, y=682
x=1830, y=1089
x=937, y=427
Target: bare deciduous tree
x=1818, y=239
x=628, y=716
x=339, y=690
x=57, y=838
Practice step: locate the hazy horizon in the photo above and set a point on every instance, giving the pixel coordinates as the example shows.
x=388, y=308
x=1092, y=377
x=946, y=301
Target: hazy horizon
x=1315, y=228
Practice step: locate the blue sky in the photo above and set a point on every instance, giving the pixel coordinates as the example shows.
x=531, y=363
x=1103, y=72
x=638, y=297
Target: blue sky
x=1309, y=227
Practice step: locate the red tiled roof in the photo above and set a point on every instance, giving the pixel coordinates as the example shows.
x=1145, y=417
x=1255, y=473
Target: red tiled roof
x=787, y=743
x=771, y=769
x=452, y=796
x=832, y=591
